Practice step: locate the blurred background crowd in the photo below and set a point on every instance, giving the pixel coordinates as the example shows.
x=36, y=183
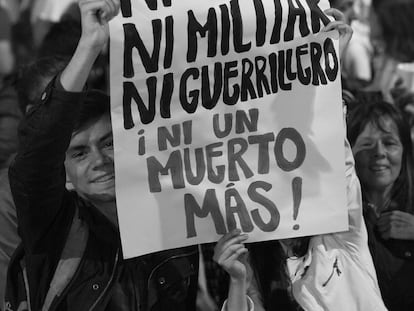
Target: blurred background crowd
x=38, y=36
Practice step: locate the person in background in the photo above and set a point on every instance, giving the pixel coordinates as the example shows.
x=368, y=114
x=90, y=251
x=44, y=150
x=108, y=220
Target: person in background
x=323, y=272
x=392, y=36
x=405, y=102
x=381, y=143
x=6, y=50
x=70, y=257
x=44, y=13
x=10, y=116
x=9, y=238
x=356, y=63
x=14, y=8
x=347, y=7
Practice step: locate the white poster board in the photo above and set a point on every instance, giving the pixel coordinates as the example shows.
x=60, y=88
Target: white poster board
x=225, y=114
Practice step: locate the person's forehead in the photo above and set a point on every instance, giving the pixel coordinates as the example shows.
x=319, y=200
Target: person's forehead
x=385, y=126
x=94, y=130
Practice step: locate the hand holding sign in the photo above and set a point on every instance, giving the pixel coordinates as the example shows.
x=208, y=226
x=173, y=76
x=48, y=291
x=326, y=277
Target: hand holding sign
x=230, y=254
x=345, y=31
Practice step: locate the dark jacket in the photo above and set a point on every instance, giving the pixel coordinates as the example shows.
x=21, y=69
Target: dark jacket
x=10, y=116
x=394, y=263
x=70, y=257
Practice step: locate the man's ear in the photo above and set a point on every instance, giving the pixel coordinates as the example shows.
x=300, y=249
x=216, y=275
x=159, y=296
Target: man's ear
x=69, y=184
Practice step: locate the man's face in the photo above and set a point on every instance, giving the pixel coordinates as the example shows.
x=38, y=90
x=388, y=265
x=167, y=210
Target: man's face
x=89, y=161
x=378, y=156
x=347, y=8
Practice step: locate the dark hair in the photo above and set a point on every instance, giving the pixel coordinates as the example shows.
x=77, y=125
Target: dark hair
x=268, y=261
x=62, y=39
x=33, y=78
x=376, y=112
x=95, y=105
x=395, y=18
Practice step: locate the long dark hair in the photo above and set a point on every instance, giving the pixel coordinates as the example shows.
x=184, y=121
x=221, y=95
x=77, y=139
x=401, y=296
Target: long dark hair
x=268, y=261
x=376, y=112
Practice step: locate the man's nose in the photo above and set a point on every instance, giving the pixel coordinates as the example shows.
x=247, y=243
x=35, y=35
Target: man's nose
x=379, y=149
x=100, y=158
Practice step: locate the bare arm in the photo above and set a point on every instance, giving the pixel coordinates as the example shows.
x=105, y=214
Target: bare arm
x=229, y=253
x=345, y=31
x=95, y=33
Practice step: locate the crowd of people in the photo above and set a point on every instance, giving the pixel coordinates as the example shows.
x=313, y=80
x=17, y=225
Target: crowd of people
x=59, y=236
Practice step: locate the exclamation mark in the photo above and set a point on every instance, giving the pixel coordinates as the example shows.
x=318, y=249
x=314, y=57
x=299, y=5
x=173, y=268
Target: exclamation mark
x=141, y=143
x=297, y=198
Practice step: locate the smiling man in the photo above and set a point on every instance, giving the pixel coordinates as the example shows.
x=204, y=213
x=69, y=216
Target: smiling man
x=71, y=257
x=89, y=161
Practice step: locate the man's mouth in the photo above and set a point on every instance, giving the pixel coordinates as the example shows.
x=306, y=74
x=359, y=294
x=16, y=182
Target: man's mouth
x=104, y=178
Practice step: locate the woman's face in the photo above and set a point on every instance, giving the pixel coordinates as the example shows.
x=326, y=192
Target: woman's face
x=378, y=156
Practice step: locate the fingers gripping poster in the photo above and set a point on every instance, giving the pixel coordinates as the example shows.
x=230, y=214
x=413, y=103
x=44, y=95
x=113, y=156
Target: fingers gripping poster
x=225, y=114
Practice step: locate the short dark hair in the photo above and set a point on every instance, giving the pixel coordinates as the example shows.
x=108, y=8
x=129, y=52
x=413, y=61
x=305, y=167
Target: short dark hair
x=62, y=39
x=376, y=112
x=33, y=78
x=95, y=105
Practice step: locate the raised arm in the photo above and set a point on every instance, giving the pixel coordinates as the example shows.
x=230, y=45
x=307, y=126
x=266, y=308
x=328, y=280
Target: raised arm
x=356, y=236
x=229, y=253
x=95, y=33
x=345, y=31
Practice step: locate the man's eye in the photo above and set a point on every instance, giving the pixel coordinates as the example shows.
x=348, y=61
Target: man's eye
x=109, y=143
x=78, y=155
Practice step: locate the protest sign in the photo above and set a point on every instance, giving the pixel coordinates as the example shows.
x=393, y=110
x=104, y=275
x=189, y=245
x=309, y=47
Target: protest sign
x=225, y=114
